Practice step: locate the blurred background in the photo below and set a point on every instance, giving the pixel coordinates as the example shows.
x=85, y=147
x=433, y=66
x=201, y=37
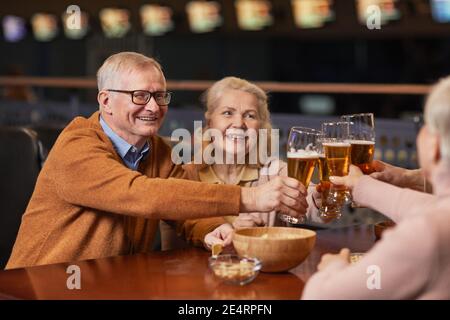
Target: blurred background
x=316, y=58
x=318, y=41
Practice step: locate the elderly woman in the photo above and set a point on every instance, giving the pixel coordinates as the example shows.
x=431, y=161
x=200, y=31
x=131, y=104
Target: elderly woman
x=236, y=110
x=412, y=261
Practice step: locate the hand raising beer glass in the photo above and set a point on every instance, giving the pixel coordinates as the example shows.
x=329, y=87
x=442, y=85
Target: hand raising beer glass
x=302, y=156
x=337, y=156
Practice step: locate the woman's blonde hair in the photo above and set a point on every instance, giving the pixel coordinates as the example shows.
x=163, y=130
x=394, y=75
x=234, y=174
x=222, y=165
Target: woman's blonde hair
x=117, y=64
x=437, y=114
x=212, y=96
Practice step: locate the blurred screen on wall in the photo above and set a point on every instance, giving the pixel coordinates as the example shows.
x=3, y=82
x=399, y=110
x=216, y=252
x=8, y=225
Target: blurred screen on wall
x=312, y=13
x=204, y=16
x=156, y=20
x=45, y=26
x=115, y=22
x=440, y=10
x=388, y=9
x=76, y=25
x=254, y=14
x=14, y=28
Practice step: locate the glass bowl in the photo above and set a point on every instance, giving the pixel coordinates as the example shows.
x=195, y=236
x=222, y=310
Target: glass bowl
x=355, y=257
x=233, y=269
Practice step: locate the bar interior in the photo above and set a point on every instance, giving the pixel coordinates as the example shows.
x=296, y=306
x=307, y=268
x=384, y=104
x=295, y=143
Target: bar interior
x=225, y=150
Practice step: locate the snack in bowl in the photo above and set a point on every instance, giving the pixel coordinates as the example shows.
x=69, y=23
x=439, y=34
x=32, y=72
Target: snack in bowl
x=234, y=269
x=216, y=249
x=355, y=257
x=278, y=248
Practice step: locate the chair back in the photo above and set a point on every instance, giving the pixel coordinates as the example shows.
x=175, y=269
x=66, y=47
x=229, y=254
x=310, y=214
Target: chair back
x=20, y=163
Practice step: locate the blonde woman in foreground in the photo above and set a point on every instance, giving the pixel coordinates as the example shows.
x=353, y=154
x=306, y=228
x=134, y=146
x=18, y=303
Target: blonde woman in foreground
x=412, y=260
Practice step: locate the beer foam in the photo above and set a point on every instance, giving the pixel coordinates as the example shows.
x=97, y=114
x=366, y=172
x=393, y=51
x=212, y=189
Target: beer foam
x=366, y=142
x=336, y=144
x=303, y=154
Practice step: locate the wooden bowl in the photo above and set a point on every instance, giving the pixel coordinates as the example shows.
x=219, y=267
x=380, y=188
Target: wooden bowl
x=278, y=248
x=380, y=227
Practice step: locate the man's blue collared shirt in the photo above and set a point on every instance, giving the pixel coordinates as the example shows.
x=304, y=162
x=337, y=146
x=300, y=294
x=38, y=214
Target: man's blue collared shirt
x=130, y=155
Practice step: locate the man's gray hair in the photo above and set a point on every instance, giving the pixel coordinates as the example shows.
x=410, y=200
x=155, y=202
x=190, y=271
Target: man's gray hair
x=437, y=114
x=116, y=65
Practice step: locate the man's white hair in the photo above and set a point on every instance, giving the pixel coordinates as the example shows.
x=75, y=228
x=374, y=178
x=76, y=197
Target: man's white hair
x=120, y=63
x=437, y=114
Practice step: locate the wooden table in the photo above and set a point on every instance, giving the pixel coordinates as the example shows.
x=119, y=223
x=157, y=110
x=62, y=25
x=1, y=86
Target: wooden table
x=177, y=274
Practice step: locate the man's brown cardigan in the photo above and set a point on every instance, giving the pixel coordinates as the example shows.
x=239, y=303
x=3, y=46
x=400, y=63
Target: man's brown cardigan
x=87, y=204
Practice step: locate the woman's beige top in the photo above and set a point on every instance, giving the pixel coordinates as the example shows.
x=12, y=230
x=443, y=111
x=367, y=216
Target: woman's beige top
x=249, y=177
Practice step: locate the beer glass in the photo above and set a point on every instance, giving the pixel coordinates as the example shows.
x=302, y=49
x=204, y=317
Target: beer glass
x=302, y=156
x=328, y=210
x=337, y=151
x=362, y=139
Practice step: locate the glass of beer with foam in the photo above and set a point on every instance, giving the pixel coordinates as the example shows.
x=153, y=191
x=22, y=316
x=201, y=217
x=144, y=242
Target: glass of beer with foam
x=362, y=139
x=337, y=150
x=302, y=155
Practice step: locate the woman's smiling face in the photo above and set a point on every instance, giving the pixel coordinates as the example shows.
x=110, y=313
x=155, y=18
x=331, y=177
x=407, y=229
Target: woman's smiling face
x=236, y=113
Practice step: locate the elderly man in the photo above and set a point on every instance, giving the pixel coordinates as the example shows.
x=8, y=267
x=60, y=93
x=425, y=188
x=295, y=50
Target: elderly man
x=105, y=183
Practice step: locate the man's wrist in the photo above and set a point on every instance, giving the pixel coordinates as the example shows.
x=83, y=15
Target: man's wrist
x=247, y=200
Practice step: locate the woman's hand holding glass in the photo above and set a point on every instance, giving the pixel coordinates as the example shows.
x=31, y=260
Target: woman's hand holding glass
x=349, y=180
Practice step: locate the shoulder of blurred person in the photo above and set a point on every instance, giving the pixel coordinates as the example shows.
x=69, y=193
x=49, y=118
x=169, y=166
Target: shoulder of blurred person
x=425, y=231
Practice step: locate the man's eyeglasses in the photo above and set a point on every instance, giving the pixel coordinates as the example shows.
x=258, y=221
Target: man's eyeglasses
x=142, y=97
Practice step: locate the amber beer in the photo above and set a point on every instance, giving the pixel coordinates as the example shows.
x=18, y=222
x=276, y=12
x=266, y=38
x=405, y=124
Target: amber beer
x=323, y=168
x=328, y=210
x=337, y=155
x=362, y=154
x=301, y=165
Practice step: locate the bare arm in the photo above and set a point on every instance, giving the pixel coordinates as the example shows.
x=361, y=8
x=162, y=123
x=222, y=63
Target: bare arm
x=388, y=199
x=400, y=177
